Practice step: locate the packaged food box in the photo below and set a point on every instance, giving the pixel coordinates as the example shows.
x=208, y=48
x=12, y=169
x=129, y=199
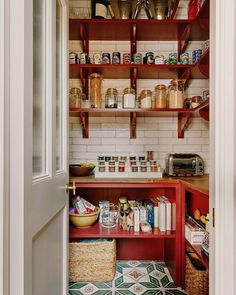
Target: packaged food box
x=194, y=232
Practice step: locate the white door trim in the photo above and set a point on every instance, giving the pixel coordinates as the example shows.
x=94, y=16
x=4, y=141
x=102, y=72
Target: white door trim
x=223, y=147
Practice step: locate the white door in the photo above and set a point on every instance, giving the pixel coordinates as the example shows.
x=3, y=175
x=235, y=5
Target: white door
x=39, y=202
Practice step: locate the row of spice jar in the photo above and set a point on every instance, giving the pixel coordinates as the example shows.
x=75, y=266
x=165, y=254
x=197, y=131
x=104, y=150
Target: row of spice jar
x=122, y=167
x=114, y=159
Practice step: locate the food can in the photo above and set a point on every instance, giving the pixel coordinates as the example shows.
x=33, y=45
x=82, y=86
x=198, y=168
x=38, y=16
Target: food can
x=196, y=55
x=116, y=58
x=106, y=58
x=138, y=58
x=73, y=56
x=159, y=59
x=173, y=58
x=83, y=58
x=150, y=58
x=104, y=211
x=184, y=58
x=97, y=58
x=126, y=58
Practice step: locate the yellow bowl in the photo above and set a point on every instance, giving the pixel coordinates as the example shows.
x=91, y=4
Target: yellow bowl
x=84, y=220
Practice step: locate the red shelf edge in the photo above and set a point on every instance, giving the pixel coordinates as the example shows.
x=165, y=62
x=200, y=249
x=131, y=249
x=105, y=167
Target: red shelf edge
x=198, y=252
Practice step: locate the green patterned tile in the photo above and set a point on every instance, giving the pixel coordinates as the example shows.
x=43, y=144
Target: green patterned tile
x=102, y=285
x=171, y=285
x=124, y=292
x=77, y=285
x=165, y=281
x=160, y=268
x=150, y=268
x=144, y=264
x=119, y=281
x=124, y=264
x=103, y=292
x=153, y=292
x=119, y=268
x=174, y=292
x=75, y=292
x=125, y=285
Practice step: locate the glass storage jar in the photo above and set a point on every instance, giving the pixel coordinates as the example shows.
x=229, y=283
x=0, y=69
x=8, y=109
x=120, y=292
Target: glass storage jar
x=75, y=98
x=95, y=90
x=160, y=96
x=111, y=98
x=146, y=99
x=129, y=99
x=176, y=94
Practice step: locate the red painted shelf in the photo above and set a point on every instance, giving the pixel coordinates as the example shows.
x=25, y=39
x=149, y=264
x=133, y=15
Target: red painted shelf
x=201, y=68
x=197, y=250
x=97, y=231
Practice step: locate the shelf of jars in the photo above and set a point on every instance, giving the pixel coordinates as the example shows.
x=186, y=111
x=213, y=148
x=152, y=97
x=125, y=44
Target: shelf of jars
x=183, y=114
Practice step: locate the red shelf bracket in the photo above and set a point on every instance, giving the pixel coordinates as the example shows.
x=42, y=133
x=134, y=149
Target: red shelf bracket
x=183, y=40
x=174, y=9
x=186, y=76
x=183, y=125
x=133, y=82
x=133, y=41
x=84, y=39
x=84, y=119
x=133, y=124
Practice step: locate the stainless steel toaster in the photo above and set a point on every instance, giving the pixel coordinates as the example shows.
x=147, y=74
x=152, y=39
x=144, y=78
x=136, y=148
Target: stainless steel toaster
x=184, y=165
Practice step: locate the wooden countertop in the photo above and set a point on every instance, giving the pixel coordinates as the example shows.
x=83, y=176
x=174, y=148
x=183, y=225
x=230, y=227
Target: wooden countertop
x=199, y=183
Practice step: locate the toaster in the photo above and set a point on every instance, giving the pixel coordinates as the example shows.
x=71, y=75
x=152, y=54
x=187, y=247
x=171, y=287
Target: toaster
x=184, y=165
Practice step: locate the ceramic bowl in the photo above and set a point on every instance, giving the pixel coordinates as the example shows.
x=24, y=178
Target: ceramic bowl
x=78, y=170
x=83, y=220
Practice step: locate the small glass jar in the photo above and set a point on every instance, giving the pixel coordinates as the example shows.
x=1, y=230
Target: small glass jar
x=107, y=158
x=101, y=163
x=124, y=8
x=143, y=168
x=95, y=90
x=176, y=94
x=112, y=162
x=75, y=98
x=111, y=98
x=132, y=158
x=196, y=101
x=143, y=162
x=123, y=158
x=141, y=158
x=153, y=162
x=149, y=156
x=101, y=168
x=154, y=168
x=115, y=158
x=129, y=98
x=134, y=168
x=112, y=168
x=121, y=168
x=160, y=96
x=121, y=163
x=101, y=158
x=146, y=99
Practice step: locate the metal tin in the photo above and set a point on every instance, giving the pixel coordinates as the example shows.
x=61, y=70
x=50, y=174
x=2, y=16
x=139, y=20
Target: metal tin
x=184, y=58
x=97, y=60
x=107, y=159
x=138, y=58
x=106, y=58
x=173, y=58
x=150, y=58
x=141, y=158
x=73, y=56
x=159, y=59
x=196, y=55
x=126, y=58
x=116, y=58
x=83, y=58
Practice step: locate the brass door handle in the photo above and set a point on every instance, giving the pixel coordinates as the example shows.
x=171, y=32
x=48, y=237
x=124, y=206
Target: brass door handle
x=71, y=187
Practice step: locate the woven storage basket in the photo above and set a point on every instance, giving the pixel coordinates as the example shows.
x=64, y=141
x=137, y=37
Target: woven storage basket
x=94, y=261
x=196, y=281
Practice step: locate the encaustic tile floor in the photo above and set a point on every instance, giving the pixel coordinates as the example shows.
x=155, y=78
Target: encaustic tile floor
x=132, y=277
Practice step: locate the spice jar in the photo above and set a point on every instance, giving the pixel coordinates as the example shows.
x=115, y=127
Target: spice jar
x=101, y=168
x=134, y=168
x=75, y=98
x=143, y=168
x=176, y=94
x=160, y=96
x=95, y=90
x=154, y=168
x=111, y=98
x=146, y=99
x=129, y=98
x=149, y=156
x=112, y=163
x=112, y=168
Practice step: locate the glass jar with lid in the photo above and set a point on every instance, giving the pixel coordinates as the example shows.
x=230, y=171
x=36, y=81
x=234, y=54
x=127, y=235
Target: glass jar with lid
x=75, y=98
x=146, y=99
x=111, y=98
x=95, y=90
x=160, y=96
x=176, y=94
x=129, y=98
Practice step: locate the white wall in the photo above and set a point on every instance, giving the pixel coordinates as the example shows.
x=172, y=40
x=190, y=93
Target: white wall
x=111, y=135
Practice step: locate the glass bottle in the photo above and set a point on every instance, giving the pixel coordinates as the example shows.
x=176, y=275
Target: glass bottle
x=160, y=96
x=111, y=98
x=75, y=98
x=146, y=99
x=125, y=8
x=95, y=90
x=176, y=94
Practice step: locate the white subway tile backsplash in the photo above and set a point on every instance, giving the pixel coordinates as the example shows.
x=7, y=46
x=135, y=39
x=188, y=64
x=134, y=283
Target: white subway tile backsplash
x=129, y=148
x=172, y=141
x=78, y=148
x=102, y=133
x=101, y=148
x=87, y=141
x=158, y=134
x=140, y=141
x=112, y=141
x=122, y=133
x=187, y=148
x=198, y=140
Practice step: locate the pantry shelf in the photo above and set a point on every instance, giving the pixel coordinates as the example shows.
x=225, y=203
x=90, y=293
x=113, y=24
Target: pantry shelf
x=98, y=231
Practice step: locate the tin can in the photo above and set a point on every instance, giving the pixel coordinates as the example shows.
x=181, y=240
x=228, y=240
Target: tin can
x=97, y=59
x=184, y=58
x=159, y=59
x=116, y=58
x=126, y=58
x=138, y=58
x=83, y=58
x=196, y=55
x=104, y=211
x=73, y=56
x=150, y=58
x=106, y=58
x=173, y=58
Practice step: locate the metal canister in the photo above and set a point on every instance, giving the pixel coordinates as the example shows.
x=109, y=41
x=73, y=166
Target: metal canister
x=196, y=55
x=184, y=58
x=83, y=58
x=159, y=59
x=97, y=58
x=116, y=58
x=150, y=58
x=138, y=58
x=106, y=58
x=73, y=56
x=173, y=58
x=126, y=58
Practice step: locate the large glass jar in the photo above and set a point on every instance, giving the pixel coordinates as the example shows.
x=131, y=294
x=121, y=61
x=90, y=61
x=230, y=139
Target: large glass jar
x=129, y=99
x=176, y=94
x=111, y=99
x=146, y=99
x=160, y=96
x=75, y=98
x=95, y=90
x=125, y=8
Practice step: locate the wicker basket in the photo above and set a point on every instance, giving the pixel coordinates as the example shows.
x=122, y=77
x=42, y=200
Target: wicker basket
x=94, y=261
x=196, y=277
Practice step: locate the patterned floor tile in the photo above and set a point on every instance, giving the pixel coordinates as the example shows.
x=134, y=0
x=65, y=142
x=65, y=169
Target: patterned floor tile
x=132, y=278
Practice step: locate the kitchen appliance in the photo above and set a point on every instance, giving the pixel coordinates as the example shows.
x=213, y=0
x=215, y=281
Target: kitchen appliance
x=184, y=165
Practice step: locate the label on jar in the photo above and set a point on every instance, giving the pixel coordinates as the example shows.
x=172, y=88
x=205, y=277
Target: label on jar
x=101, y=10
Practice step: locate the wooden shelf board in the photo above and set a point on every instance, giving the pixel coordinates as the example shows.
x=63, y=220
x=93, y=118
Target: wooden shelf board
x=98, y=231
x=198, y=251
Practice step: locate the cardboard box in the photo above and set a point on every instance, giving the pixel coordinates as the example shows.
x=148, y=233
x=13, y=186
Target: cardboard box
x=194, y=233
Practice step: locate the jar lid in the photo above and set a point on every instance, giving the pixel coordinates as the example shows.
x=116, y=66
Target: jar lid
x=75, y=90
x=112, y=91
x=146, y=92
x=177, y=81
x=95, y=75
x=129, y=90
x=160, y=86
